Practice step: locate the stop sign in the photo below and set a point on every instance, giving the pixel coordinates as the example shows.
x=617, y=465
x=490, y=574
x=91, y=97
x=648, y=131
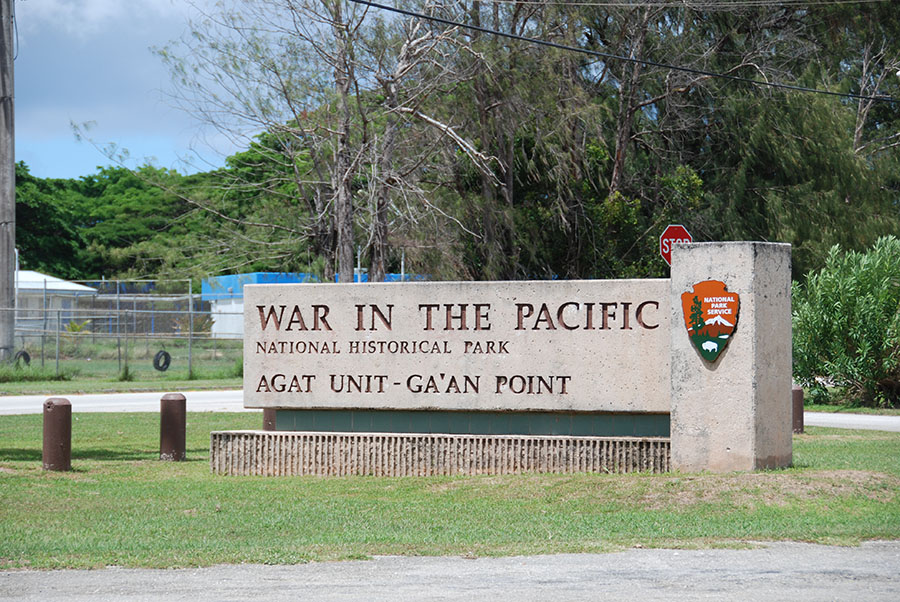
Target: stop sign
x=672, y=234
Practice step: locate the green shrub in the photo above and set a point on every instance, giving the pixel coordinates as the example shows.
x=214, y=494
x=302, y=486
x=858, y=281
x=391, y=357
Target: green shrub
x=847, y=325
x=126, y=375
x=13, y=373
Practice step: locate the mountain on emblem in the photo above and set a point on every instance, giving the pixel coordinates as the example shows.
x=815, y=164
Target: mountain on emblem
x=710, y=316
x=719, y=320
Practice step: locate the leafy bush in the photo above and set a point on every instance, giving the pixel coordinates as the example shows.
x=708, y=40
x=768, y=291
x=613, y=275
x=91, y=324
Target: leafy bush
x=74, y=332
x=847, y=325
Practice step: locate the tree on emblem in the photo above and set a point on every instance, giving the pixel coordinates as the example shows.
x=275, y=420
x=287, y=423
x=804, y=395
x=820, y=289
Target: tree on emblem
x=697, y=316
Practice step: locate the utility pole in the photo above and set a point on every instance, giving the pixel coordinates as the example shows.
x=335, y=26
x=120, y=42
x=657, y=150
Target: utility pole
x=7, y=184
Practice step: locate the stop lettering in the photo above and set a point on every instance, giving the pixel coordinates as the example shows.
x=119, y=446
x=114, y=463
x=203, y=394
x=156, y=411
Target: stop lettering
x=674, y=233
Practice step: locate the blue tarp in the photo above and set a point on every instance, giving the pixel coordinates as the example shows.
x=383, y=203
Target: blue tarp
x=232, y=286
x=388, y=277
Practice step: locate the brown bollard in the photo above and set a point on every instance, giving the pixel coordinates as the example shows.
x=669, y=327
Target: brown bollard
x=172, y=422
x=268, y=419
x=57, y=452
x=797, y=401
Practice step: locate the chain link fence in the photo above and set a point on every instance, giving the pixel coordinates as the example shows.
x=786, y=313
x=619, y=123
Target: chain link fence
x=131, y=330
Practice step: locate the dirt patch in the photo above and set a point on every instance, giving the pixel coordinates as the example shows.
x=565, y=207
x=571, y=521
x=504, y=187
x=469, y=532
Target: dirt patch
x=678, y=492
x=7, y=564
x=748, y=490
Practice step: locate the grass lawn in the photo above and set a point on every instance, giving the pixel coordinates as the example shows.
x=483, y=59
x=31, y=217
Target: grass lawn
x=121, y=506
x=178, y=382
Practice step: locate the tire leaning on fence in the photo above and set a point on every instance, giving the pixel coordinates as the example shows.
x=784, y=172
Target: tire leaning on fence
x=162, y=360
x=22, y=356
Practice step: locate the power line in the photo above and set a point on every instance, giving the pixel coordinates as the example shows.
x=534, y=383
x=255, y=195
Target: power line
x=608, y=56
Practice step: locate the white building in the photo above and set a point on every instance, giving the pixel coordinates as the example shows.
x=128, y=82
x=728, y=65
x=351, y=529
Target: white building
x=40, y=297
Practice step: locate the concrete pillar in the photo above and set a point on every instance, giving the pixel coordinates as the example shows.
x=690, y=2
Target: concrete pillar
x=734, y=413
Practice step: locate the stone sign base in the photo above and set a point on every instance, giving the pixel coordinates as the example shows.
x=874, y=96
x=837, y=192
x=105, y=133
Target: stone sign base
x=292, y=453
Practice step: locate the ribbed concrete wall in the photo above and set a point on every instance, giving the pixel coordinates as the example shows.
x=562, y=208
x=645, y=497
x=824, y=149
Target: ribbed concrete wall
x=289, y=453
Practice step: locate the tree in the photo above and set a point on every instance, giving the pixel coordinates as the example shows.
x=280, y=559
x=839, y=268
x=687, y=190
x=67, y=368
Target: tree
x=410, y=66
x=119, y=209
x=870, y=35
x=331, y=90
x=46, y=229
x=98, y=225
x=289, y=69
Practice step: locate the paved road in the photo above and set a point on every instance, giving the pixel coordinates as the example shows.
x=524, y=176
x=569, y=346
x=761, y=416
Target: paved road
x=853, y=421
x=197, y=401
x=778, y=571
x=233, y=401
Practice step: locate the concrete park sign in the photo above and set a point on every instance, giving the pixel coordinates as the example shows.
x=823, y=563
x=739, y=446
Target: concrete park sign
x=499, y=346
x=502, y=377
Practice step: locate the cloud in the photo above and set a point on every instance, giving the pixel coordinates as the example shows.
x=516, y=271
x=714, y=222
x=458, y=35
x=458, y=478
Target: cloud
x=90, y=61
x=84, y=18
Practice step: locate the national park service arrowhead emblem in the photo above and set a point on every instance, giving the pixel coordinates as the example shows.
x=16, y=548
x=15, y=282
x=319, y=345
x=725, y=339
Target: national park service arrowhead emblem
x=710, y=315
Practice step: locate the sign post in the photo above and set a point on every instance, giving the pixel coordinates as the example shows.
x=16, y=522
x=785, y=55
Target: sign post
x=672, y=234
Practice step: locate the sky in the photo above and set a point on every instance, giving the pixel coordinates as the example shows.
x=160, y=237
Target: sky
x=90, y=62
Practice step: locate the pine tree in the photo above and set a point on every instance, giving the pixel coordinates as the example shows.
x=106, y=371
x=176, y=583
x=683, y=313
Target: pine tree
x=697, y=316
